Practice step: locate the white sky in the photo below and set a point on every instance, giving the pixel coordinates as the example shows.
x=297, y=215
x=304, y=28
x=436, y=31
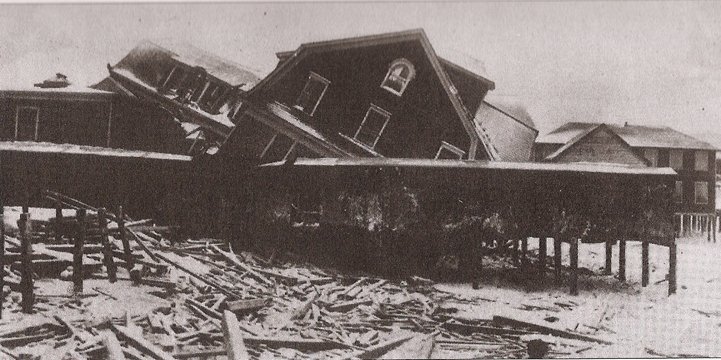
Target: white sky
x=641, y=62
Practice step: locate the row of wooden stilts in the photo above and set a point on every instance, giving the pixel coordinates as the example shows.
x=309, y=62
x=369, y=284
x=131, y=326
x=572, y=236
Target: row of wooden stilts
x=573, y=275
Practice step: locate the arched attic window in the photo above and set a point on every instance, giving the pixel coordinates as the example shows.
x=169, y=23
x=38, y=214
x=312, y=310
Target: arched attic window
x=400, y=73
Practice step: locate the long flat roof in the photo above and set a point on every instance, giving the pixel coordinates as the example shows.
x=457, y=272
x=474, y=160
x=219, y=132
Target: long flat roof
x=475, y=164
x=52, y=148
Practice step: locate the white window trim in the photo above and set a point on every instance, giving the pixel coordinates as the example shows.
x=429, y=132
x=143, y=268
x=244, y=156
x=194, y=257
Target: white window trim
x=405, y=83
x=37, y=119
x=380, y=111
x=315, y=76
x=695, y=188
x=452, y=148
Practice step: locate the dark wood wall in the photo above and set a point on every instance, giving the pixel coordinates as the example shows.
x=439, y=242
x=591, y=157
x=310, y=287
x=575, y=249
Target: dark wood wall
x=420, y=119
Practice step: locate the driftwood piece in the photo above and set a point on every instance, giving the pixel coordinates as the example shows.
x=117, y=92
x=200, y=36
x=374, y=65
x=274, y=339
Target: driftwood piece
x=502, y=320
x=234, y=344
x=145, y=346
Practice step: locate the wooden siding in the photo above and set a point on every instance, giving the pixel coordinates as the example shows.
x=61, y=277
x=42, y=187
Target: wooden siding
x=420, y=119
x=601, y=146
x=512, y=139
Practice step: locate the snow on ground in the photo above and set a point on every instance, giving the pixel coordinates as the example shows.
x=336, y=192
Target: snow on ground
x=639, y=321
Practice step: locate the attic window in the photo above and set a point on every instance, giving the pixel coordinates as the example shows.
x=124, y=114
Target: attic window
x=448, y=151
x=400, y=73
x=312, y=93
x=372, y=126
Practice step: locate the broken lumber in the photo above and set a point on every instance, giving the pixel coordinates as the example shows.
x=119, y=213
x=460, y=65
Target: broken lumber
x=420, y=347
x=212, y=284
x=300, y=312
x=107, y=249
x=124, y=238
x=142, y=344
x=467, y=329
x=295, y=343
x=376, y=351
x=346, y=306
x=234, y=344
x=112, y=345
x=242, y=306
x=26, y=278
x=78, y=254
x=231, y=257
x=502, y=320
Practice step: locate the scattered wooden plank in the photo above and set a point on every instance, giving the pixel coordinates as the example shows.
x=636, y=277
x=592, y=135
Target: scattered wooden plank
x=145, y=346
x=420, y=347
x=502, y=320
x=242, y=306
x=295, y=343
x=376, y=351
x=234, y=260
x=467, y=329
x=193, y=274
x=347, y=306
x=300, y=312
x=234, y=344
x=112, y=345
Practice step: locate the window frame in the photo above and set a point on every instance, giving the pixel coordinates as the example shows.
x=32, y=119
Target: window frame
x=678, y=197
x=670, y=159
x=381, y=111
x=312, y=76
x=37, y=120
x=452, y=148
x=695, y=192
x=696, y=159
x=404, y=84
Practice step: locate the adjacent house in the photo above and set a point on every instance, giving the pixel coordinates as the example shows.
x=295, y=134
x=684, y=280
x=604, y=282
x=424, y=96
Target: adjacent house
x=694, y=161
x=196, y=89
x=386, y=95
x=56, y=111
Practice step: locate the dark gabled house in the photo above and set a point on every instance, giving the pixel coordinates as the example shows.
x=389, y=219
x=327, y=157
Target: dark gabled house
x=694, y=160
x=387, y=95
x=196, y=91
x=55, y=111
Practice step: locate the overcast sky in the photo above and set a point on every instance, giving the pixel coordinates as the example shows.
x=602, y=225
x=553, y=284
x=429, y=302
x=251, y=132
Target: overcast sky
x=642, y=62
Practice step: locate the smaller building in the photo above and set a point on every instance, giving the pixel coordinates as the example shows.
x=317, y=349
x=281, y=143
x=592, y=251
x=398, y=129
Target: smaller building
x=57, y=112
x=693, y=160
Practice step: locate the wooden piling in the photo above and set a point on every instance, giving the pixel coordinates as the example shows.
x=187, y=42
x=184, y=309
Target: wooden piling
x=714, y=225
x=609, y=257
x=107, y=249
x=542, y=248
x=26, y=273
x=708, y=228
x=574, y=266
x=622, y=259
x=2, y=255
x=681, y=225
x=644, y=262
x=124, y=238
x=78, y=253
x=672, y=268
x=58, y=221
x=514, y=251
x=557, y=259
x=524, y=252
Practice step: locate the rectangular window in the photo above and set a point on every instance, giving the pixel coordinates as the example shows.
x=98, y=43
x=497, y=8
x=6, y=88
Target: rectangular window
x=312, y=93
x=372, y=126
x=652, y=156
x=448, y=151
x=678, y=192
x=701, y=192
x=27, y=120
x=701, y=163
x=675, y=159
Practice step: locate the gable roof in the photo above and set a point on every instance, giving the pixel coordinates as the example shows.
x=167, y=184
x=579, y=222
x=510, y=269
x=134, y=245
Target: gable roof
x=636, y=136
x=380, y=39
x=510, y=137
x=511, y=106
x=591, y=130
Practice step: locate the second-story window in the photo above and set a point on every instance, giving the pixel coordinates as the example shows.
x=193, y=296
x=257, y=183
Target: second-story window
x=701, y=163
x=701, y=192
x=652, y=156
x=312, y=93
x=448, y=151
x=400, y=73
x=678, y=192
x=27, y=121
x=372, y=126
x=675, y=159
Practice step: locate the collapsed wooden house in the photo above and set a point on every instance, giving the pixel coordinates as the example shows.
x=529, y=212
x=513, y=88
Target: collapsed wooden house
x=394, y=211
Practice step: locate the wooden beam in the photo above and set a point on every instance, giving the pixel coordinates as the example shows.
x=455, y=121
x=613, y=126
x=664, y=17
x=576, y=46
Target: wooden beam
x=557, y=258
x=138, y=341
x=574, y=266
x=124, y=239
x=609, y=257
x=107, y=249
x=234, y=345
x=26, y=280
x=542, y=248
x=58, y=221
x=622, y=259
x=672, y=268
x=543, y=329
x=514, y=251
x=2, y=254
x=112, y=345
x=376, y=351
x=524, y=252
x=78, y=253
x=644, y=261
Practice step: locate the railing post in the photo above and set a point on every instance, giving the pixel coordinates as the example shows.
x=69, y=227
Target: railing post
x=672, y=267
x=129, y=263
x=557, y=258
x=107, y=249
x=542, y=247
x=574, y=266
x=609, y=257
x=644, y=261
x=622, y=259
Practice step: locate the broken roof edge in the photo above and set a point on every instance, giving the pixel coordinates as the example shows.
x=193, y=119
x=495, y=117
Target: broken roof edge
x=477, y=164
x=569, y=145
x=75, y=149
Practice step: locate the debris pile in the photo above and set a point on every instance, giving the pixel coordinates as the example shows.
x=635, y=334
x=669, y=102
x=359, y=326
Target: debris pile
x=152, y=298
